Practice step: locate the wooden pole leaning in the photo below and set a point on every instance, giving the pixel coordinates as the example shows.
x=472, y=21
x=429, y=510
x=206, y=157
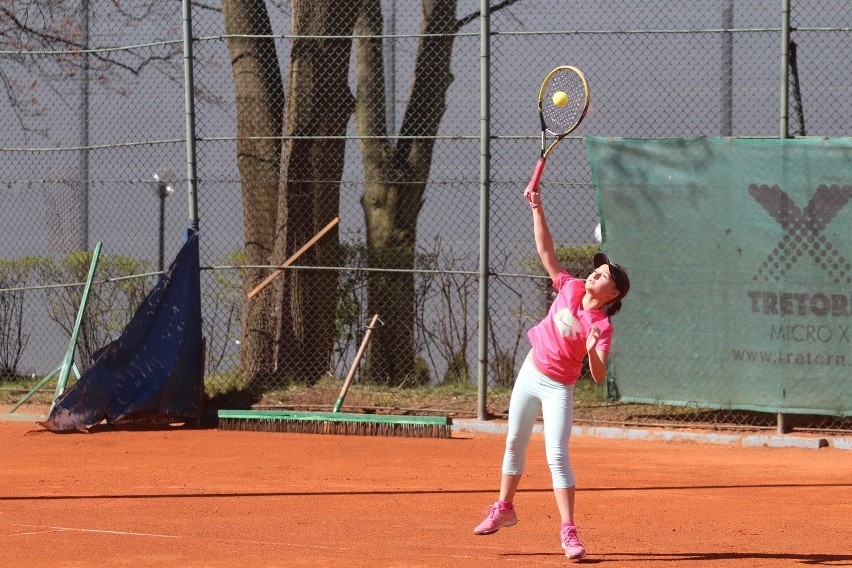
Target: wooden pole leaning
x=293, y=258
x=354, y=366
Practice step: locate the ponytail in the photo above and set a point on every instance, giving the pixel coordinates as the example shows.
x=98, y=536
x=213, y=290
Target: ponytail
x=613, y=307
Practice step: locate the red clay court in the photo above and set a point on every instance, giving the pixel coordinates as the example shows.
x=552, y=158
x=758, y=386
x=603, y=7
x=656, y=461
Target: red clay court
x=202, y=497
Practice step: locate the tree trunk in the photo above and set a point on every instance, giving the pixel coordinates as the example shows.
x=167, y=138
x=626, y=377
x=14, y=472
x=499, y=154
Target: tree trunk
x=396, y=176
x=319, y=103
x=259, y=95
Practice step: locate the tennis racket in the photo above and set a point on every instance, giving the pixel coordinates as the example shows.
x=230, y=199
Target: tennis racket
x=562, y=104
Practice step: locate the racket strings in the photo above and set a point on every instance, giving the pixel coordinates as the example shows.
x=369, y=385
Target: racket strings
x=561, y=119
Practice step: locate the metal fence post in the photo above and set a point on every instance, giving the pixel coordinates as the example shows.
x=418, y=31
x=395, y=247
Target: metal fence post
x=189, y=95
x=785, y=60
x=484, y=192
x=85, y=174
x=728, y=69
x=784, y=118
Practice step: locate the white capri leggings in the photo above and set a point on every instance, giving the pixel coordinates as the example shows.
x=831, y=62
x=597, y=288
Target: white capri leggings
x=534, y=391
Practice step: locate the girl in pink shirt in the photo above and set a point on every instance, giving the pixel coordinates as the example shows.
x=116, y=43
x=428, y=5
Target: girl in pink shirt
x=577, y=326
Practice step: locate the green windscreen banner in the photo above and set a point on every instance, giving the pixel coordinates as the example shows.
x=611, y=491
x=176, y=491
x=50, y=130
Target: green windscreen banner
x=740, y=259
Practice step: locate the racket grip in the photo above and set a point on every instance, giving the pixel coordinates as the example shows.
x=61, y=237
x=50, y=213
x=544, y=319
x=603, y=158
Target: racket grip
x=536, y=177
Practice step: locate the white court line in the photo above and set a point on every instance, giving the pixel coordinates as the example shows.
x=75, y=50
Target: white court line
x=33, y=532
x=495, y=550
x=49, y=529
x=73, y=529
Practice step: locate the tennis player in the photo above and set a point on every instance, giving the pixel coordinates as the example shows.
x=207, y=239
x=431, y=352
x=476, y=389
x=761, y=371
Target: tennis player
x=577, y=326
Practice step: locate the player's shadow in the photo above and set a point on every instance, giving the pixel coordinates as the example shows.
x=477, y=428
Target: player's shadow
x=807, y=559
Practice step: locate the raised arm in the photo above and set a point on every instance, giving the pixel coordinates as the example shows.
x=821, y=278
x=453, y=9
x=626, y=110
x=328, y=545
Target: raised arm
x=543, y=238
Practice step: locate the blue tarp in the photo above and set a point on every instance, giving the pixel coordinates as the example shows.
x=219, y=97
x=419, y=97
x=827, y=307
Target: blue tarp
x=151, y=374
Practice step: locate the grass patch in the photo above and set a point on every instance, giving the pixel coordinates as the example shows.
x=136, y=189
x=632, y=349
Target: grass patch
x=588, y=391
x=13, y=390
x=224, y=382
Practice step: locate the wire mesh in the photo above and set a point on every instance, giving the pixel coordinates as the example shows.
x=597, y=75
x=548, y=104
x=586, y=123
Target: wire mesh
x=368, y=111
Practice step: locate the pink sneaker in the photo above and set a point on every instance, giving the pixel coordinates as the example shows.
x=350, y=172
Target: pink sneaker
x=571, y=543
x=496, y=518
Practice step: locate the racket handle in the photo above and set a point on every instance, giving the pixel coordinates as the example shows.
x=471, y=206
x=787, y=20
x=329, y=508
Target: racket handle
x=537, y=172
x=536, y=177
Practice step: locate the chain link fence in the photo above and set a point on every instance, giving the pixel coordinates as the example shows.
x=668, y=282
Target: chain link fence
x=371, y=113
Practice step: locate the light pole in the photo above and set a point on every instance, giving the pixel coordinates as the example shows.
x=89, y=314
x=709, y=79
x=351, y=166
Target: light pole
x=162, y=188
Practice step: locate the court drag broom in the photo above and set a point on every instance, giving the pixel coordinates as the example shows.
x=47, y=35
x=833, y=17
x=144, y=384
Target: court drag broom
x=336, y=422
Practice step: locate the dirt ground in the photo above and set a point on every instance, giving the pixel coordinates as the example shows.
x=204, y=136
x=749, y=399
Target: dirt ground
x=188, y=497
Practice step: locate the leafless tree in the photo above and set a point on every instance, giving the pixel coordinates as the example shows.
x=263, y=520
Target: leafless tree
x=290, y=330
x=47, y=44
x=397, y=173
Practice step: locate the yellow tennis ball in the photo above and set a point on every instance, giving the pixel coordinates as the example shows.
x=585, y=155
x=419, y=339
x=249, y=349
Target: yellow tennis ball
x=560, y=98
